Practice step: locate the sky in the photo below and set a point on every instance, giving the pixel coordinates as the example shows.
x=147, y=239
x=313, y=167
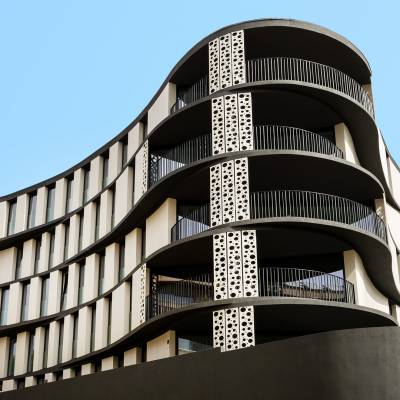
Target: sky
x=74, y=73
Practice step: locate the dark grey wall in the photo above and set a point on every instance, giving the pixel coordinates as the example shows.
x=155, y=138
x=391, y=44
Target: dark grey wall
x=358, y=364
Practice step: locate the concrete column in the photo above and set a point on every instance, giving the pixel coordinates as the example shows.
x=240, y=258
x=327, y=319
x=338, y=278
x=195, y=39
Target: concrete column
x=161, y=347
x=135, y=139
x=35, y=292
x=54, y=292
x=89, y=225
x=380, y=208
x=14, y=303
x=73, y=284
x=4, y=351
x=158, y=226
x=109, y=363
x=68, y=373
x=111, y=266
x=162, y=106
x=9, y=384
x=3, y=218
x=77, y=188
x=90, y=289
x=50, y=377
x=345, y=143
x=28, y=259
x=68, y=337
x=96, y=176
x=60, y=198
x=133, y=356
x=8, y=259
x=52, y=351
x=41, y=204
x=59, y=241
x=106, y=204
x=141, y=172
x=133, y=249
x=21, y=353
x=120, y=311
x=115, y=161
x=44, y=252
x=88, y=369
x=101, y=323
x=84, y=329
x=22, y=213
x=30, y=381
x=368, y=88
x=38, y=348
x=73, y=241
x=123, y=194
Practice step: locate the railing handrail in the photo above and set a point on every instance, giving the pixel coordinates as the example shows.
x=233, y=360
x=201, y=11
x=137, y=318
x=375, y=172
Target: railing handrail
x=278, y=137
x=308, y=204
x=193, y=93
x=300, y=70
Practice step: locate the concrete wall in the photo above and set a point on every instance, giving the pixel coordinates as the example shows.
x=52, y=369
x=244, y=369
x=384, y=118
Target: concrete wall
x=162, y=106
x=345, y=143
x=161, y=347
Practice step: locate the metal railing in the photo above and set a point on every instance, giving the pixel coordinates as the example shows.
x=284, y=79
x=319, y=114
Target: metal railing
x=169, y=293
x=276, y=137
x=304, y=283
x=165, y=162
x=294, y=69
x=305, y=204
x=195, y=92
x=195, y=221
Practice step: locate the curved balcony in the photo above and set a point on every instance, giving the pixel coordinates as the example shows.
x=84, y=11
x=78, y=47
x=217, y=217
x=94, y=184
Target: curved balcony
x=193, y=222
x=294, y=69
x=169, y=294
x=306, y=204
x=191, y=94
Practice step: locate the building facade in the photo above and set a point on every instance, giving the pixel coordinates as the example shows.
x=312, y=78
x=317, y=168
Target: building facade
x=239, y=239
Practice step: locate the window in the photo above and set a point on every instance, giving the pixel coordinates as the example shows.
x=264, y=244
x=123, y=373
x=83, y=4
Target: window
x=46, y=347
x=121, y=269
x=109, y=320
x=66, y=240
x=18, y=263
x=51, y=194
x=86, y=184
x=64, y=289
x=12, y=213
x=112, y=208
x=37, y=254
x=101, y=274
x=44, y=296
x=25, y=300
x=5, y=292
x=68, y=205
x=11, y=356
x=75, y=335
x=32, y=210
x=143, y=249
x=81, y=282
x=93, y=329
x=124, y=153
x=97, y=222
x=80, y=238
x=31, y=348
x=51, y=249
x=60, y=340
x=130, y=306
x=105, y=170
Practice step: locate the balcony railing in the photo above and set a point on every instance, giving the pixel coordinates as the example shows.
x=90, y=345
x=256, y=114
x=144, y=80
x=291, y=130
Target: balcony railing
x=277, y=137
x=293, y=69
x=305, y=204
x=195, y=221
x=163, y=163
x=195, y=92
x=169, y=294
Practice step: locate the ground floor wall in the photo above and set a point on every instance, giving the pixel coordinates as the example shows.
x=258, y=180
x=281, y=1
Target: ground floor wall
x=348, y=364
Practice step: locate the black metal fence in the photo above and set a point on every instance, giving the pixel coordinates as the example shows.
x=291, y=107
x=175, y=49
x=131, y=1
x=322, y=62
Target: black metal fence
x=304, y=283
x=164, y=162
x=305, y=204
x=294, y=69
x=276, y=137
x=195, y=92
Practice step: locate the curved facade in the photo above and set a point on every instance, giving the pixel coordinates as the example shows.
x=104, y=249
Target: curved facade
x=250, y=211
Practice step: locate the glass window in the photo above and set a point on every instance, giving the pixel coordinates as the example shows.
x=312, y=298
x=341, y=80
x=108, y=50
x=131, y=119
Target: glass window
x=12, y=214
x=31, y=348
x=143, y=249
x=44, y=296
x=191, y=344
x=80, y=239
x=81, y=283
x=51, y=194
x=112, y=208
x=121, y=270
x=11, y=356
x=18, y=263
x=46, y=347
x=51, y=250
x=60, y=340
x=75, y=336
x=93, y=329
x=86, y=185
x=124, y=153
x=97, y=224
x=101, y=274
x=32, y=210
x=109, y=320
x=68, y=205
x=66, y=241
x=25, y=301
x=64, y=288
x=5, y=292
x=105, y=170
x=37, y=254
